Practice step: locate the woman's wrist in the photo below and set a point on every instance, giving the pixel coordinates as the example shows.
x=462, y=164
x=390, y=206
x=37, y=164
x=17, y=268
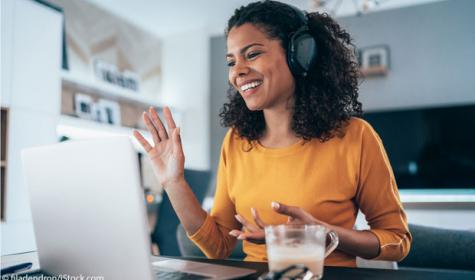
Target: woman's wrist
x=173, y=182
x=359, y=243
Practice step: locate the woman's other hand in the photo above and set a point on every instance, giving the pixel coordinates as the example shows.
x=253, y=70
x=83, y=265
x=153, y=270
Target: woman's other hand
x=296, y=215
x=166, y=154
x=254, y=232
x=251, y=232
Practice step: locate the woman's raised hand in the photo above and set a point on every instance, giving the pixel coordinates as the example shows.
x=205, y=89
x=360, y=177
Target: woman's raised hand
x=166, y=154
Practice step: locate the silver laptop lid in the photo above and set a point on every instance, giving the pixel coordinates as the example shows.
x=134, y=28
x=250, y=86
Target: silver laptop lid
x=88, y=209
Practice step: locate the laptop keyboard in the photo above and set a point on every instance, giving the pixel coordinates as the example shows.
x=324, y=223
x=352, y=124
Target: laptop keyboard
x=161, y=273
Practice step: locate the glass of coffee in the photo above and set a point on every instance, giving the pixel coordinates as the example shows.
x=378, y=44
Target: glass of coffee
x=289, y=245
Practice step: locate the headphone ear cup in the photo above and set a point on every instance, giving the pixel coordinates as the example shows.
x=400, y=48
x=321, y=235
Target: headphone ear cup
x=302, y=52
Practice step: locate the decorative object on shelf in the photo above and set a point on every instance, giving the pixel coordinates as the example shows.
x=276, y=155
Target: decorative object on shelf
x=84, y=106
x=374, y=61
x=109, y=73
x=108, y=112
x=72, y=84
x=126, y=111
x=131, y=80
x=102, y=69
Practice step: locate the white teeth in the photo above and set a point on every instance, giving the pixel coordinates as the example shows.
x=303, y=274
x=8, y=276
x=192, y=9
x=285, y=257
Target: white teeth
x=250, y=85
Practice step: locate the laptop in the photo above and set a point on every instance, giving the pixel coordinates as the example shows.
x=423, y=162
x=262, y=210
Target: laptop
x=89, y=214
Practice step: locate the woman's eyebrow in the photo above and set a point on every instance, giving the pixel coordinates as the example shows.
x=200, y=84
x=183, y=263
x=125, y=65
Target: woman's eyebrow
x=243, y=50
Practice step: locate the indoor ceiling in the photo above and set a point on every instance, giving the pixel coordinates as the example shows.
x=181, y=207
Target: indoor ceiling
x=168, y=17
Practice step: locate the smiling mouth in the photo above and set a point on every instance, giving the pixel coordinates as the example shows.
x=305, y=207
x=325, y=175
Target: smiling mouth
x=247, y=88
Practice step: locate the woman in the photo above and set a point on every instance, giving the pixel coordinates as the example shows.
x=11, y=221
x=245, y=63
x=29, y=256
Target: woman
x=296, y=151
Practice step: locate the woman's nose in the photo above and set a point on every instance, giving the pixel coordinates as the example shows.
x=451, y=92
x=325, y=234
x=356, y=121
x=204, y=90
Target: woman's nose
x=241, y=68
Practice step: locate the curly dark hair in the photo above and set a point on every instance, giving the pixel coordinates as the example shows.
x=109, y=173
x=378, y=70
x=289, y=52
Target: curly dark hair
x=326, y=98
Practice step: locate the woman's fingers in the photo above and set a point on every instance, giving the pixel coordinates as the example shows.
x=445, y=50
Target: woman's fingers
x=257, y=237
x=151, y=128
x=257, y=218
x=169, y=118
x=296, y=215
x=162, y=132
x=235, y=232
x=147, y=147
x=177, y=147
x=159, y=133
x=249, y=226
x=291, y=211
x=293, y=221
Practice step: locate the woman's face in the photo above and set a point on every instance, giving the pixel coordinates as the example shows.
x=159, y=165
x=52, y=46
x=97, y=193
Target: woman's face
x=258, y=68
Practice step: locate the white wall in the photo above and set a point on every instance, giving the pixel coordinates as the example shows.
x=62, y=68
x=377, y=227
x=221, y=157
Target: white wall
x=32, y=47
x=186, y=68
x=431, y=55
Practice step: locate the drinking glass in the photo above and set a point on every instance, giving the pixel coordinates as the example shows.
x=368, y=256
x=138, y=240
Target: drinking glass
x=289, y=245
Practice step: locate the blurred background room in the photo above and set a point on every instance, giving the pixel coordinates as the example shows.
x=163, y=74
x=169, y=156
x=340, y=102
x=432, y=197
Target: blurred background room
x=82, y=69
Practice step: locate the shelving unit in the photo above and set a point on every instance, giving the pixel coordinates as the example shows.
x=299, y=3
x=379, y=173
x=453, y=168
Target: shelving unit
x=107, y=91
x=76, y=128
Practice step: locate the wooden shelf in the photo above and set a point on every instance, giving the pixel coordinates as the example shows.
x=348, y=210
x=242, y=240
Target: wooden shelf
x=78, y=129
x=375, y=71
x=108, y=91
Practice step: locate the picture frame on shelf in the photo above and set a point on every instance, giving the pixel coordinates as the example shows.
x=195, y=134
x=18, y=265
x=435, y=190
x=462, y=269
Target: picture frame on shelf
x=84, y=106
x=108, y=111
x=374, y=61
x=99, y=69
x=109, y=73
x=99, y=114
x=131, y=80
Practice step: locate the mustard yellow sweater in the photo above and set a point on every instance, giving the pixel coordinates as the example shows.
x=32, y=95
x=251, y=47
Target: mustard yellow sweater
x=330, y=180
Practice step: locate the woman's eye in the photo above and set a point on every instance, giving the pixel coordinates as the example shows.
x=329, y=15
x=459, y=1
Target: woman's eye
x=252, y=55
x=231, y=63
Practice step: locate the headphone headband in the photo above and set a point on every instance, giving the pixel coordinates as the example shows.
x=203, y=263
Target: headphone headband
x=301, y=14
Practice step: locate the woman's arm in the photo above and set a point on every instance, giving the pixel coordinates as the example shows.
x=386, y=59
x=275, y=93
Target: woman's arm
x=378, y=199
x=359, y=243
x=186, y=205
x=168, y=162
x=208, y=231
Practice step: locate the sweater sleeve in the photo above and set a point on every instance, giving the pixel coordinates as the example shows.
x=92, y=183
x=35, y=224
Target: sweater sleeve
x=378, y=199
x=213, y=236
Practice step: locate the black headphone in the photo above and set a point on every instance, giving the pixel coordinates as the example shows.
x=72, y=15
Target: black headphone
x=302, y=49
